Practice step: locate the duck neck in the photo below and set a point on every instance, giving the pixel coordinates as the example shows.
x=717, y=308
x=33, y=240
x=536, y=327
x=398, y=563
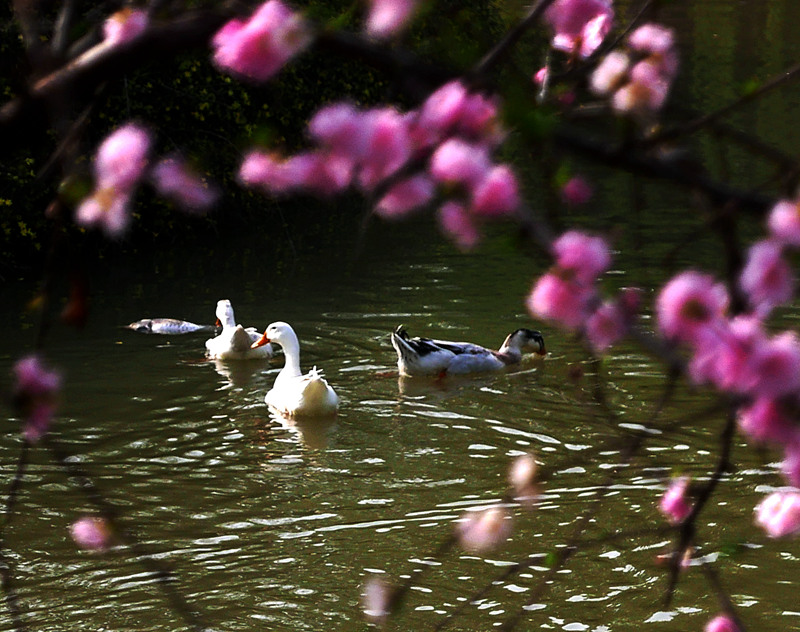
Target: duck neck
x=291, y=353
x=510, y=350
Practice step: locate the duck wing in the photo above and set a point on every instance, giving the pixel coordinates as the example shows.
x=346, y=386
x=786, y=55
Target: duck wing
x=241, y=339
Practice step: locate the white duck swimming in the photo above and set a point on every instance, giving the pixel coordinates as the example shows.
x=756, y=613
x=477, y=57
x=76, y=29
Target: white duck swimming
x=423, y=356
x=234, y=341
x=295, y=394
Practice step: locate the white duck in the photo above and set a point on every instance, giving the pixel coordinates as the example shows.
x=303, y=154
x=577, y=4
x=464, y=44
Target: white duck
x=423, y=356
x=295, y=394
x=234, y=341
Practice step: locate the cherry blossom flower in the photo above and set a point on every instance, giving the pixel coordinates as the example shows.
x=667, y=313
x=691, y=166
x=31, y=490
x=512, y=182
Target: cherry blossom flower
x=388, y=146
x=457, y=161
x=456, y=223
x=497, y=194
x=779, y=514
x=577, y=191
x=658, y=42
x=121, y=158
x=579, y=26
x=36, y=390
x=765, y=420
x=721, y=623
x=257, y=48
x=92, y=533
x=558, y=297
x=766, y=279
x=689, y=305
x=484, y=530
x=340, y=128
x=776, y=365
x=607, y=325
x=124, y=26
x=107, y=209
x=388, y=18
x=174, y=179
x=674, y=503
x=406, y=196
x=784, y=222
x=725, y=355
x=586, y=256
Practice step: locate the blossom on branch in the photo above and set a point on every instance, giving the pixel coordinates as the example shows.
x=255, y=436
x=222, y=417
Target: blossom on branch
x=779, y=514
x=177, y=181
x=124, y=25
x=257, y=48
x=690, y=305
x=675, y=504
x=388, y=18
x=35, y=393
x=579, y=26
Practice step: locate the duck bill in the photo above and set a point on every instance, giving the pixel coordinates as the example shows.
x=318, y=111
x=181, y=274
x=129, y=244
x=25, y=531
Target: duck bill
x=542, y=351
x=260, y=342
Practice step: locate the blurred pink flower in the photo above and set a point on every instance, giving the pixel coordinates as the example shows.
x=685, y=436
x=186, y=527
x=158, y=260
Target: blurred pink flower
x=779, y=514
x=388, y=146
x=106, y=208
x=610, y=73
x=522, y=477
x=484, y=530
x=443, y=109
x=317, y=172
x=124, y=26
x=776, y=365
x=607, y=325
x=541, y=76
x=766, y=279
x=376, y=598
x=658, y=42
x=456, y=223
x=497, y=194
x=388, y=18
x=674, y=503
x=36, y=390
x=257, y=48
x=558, y=297
x=765, y=421
x=725, y=355
x=577, y=191
x=91, y=533
x=586, y=256
x=174, y=179
x=457, y=161
x=122, y=158
x=579, y=26
x=790, y=466
x=784, y=222
x=405, y=197
x=721, y=623
x=340, y=128
x=689, y=305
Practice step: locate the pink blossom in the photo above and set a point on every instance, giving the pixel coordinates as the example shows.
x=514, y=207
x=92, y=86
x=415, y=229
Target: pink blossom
x=541, y=76
x=484, y=530
x=610, y=73
x=659, y=43
x=765, y=421
x=456, y=223
x=318, y=172
x=579, y=26
x=522, y=477
x=779, y=514
x=586, y=256
x=721, y=623
x=107, y=209
x=92, y=533
x=388, y=146
x=646, y=91
x=406, y=196
x=174, y=179
x=479, y=119
x=497, y=194
x=784, y=222
x=443, y=109
x=689, y=305
x=558, y=297
x=776, y=365
x=122, y=158
x=35, y=392
x=726, y=354
x=456, y=161
x=388, y=18
x=340, y=127
x=766, y=279
x=577, y=191
x=257, y=48
x=607, y=325
x=675, y=504
x=124, y=26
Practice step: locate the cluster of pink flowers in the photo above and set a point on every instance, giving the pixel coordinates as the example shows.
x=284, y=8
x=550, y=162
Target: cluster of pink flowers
x=257, y=48
x=579, y=26
x=119, y=165
x=403, y=159
x=568, y=294
x=637, y=80
x=388, y=18
x=35, y=393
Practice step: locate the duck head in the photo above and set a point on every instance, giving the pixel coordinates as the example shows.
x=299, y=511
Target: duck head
x=224, y=314
x=526, y=340
x=278, y=332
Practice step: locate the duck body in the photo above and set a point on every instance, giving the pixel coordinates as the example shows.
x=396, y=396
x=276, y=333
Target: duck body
x=168, y=326
x=234, y=342
x=295, y=394
x=426, y=356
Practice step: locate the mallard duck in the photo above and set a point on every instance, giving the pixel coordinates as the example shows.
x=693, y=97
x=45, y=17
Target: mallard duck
x=423, y=356
x=295, y=394
x=234, y=341
x=168, y=326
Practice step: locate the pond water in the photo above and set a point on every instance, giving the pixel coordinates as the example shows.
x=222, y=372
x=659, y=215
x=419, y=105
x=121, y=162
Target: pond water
x=274, y=525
